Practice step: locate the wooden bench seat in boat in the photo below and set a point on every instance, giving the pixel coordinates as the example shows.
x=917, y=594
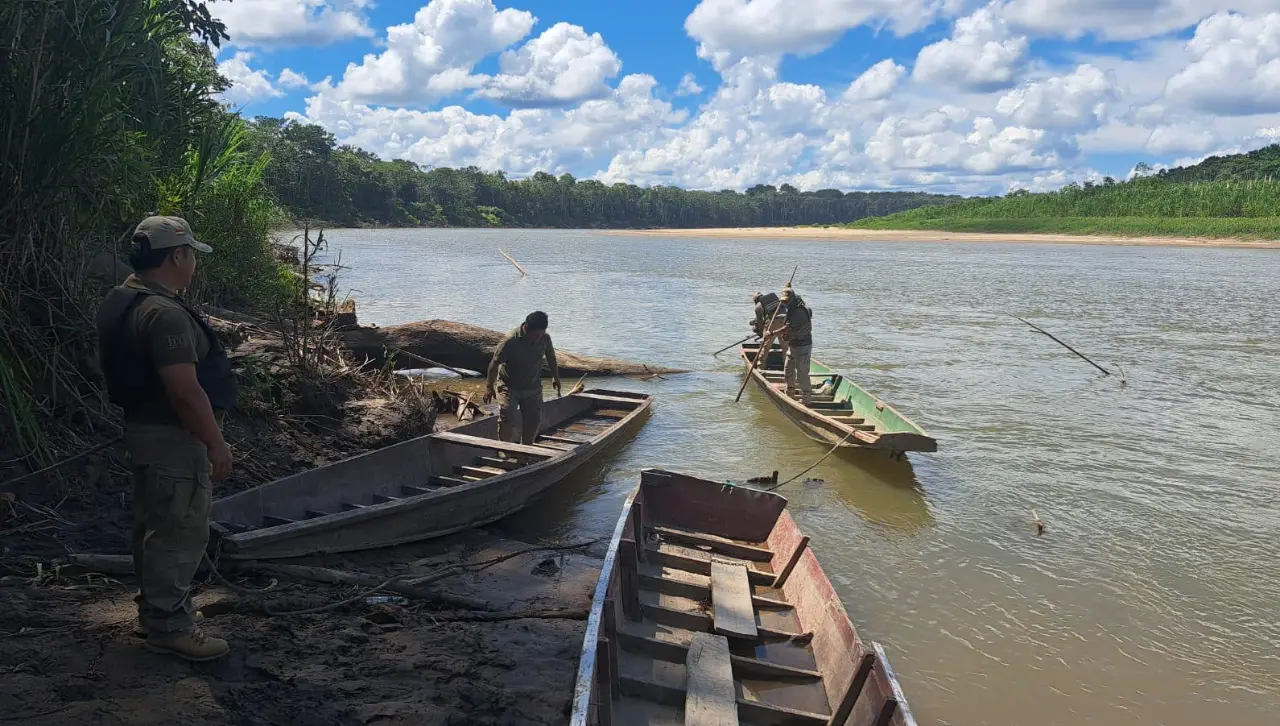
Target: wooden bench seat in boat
x=480, y=442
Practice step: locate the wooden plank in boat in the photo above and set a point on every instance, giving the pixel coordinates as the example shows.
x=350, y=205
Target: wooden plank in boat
x=671, y=644
x=694, y=586
x=710, y=696
x=720, y=544
x=610, y=399
x=731, y=598
x=692, y=560
x=562, y=439
x=448, y=481
x=558, y=445
x=495, y=462
x=481, y=471
x=479, y=442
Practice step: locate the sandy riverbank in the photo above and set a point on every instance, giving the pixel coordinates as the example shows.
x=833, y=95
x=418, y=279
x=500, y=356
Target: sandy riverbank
x=876, y=235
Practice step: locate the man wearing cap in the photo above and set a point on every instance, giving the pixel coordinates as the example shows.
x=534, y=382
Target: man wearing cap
x=798, y=334
x=167, y=370
x=518, y=363
x=766, y=304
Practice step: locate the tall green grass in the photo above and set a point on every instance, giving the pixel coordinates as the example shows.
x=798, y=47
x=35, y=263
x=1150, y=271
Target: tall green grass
x=1148, y=206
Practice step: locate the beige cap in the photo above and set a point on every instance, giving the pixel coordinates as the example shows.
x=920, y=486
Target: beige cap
x=165, y=232
x=787, y=293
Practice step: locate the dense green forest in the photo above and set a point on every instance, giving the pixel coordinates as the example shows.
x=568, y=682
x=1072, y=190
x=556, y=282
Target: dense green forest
x=1228, y=196
x=315, y=179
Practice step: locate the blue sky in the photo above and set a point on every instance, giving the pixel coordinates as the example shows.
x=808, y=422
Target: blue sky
x=947, y=95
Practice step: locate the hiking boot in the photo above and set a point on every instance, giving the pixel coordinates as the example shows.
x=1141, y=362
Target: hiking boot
x=193, y=646
x=140, y=630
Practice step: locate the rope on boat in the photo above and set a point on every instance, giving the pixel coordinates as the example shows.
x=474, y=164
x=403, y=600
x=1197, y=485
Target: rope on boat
x=815, y=464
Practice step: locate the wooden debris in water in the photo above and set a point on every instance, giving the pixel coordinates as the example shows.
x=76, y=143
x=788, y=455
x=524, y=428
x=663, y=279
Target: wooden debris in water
x=1039, y=524
x=512, y=261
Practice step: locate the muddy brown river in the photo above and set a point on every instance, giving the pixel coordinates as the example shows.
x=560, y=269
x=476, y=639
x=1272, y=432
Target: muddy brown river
x=1154, y=596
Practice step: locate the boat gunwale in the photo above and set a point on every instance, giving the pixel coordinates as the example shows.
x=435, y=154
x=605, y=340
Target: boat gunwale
x=585, y=680
x=373, y=511
x=758, y=375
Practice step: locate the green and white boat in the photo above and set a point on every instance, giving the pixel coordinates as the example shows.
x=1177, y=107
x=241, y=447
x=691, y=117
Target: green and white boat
x=840, y=411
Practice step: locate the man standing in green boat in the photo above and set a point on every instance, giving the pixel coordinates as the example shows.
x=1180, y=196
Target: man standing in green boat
x=797, y=337
x=518, y=363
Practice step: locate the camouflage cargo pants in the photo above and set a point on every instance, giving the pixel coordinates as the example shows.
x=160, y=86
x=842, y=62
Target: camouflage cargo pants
x=529, y=404
x=171, y=499
x=797, y=370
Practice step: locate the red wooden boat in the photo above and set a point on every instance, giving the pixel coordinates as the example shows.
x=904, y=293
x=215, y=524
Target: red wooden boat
x=712, y=609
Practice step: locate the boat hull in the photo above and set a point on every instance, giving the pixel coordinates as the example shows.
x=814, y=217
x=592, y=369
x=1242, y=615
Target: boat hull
x=878, y=426
x=380, y=478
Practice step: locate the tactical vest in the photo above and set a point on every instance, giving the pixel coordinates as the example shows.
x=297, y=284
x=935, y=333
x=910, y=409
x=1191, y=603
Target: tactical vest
x=131, y=376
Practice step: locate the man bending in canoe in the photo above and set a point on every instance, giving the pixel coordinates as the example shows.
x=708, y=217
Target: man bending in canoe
x=797, y=335
x=766, y=304
x=518, y=363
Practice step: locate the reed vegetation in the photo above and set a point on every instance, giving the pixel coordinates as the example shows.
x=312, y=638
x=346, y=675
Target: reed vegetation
x=108, y=113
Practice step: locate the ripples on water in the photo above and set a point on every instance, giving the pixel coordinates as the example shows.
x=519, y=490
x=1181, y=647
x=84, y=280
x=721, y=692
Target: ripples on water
x=1153, y=599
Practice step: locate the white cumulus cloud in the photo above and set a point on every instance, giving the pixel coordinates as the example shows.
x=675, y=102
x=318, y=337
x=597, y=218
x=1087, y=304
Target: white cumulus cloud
x=293, y=22
x=521, y=142
x=1236, y=70
x=1075, y=101
x=980, y=55
x=730, y=30
x=290, y=78
x=688, y=86
x=876, y=83
x=1119, y=19
x=562, y=66
x=433, y=56
x=248, y=84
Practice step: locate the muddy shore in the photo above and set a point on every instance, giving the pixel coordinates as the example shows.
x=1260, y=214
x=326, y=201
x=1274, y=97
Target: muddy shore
x=834, y=234
x=69, y=653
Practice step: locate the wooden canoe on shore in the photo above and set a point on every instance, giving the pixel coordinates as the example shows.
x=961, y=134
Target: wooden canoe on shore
x=711, y=609
x=842, y=409
x=425, y=487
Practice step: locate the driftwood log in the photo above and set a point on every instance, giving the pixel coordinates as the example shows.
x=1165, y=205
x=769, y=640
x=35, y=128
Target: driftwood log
x=471, y=347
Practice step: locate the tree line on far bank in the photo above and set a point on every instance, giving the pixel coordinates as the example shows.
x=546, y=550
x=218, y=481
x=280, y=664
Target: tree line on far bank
x=316, y=179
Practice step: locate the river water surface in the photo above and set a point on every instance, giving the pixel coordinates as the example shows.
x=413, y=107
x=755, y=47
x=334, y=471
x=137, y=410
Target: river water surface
x=1154, y=596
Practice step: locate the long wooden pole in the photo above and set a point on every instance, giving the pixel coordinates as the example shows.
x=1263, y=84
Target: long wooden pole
x=512, y=261
x=727, y=347
x=767, y=344
x=1051, y=336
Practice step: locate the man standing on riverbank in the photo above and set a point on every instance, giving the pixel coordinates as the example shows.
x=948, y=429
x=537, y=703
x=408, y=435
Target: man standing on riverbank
x=518, y=363
x=798, y=336
x=165, y=367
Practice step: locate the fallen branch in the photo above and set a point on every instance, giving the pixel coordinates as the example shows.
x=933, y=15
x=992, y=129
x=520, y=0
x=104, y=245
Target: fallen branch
x=340, y=577
x=512, y=261
x=1044, y=332
x=63, y=462
x=452, y=570
x=513, y=615
x=123, y=565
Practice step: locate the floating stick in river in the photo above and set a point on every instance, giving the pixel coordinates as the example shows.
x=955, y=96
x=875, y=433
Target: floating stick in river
x=1042, y=331
x=512, y=261
x=1039, y=524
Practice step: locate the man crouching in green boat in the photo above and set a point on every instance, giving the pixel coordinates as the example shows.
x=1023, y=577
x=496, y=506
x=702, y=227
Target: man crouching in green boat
x=798, y=336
